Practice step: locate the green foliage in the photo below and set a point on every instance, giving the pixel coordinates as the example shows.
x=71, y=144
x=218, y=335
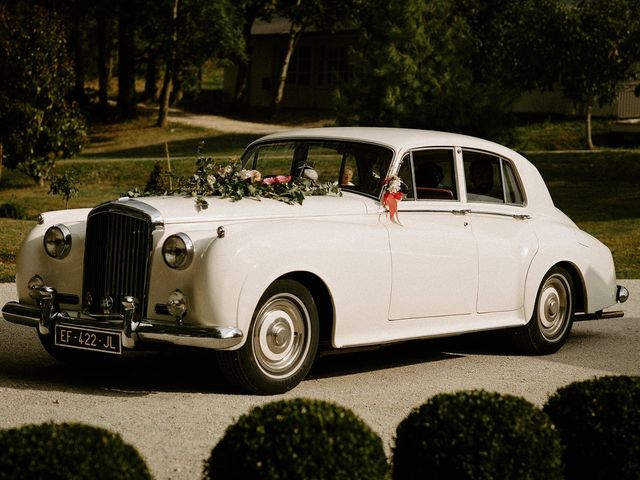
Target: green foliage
x=601, y=48
x=477, y=435
x=513, y=43
x=447, y=65
x=233, y=182
x=38, y=125
x=67, y=451
x=599, y=422
x=602, y=51
x=299, y=438
x=12, y=210
x=65, y=186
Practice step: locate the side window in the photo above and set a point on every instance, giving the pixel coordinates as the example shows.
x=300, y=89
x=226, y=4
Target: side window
x=407, y=177
x=483, y=175
x=433, y=174
x=491, y=179
x=513, y=193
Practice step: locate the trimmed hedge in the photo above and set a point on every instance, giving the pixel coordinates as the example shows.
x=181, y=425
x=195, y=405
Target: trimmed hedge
x=296, y=439
x=477, y=435
x=599, y=422
x=12, y=210
x=67, y=451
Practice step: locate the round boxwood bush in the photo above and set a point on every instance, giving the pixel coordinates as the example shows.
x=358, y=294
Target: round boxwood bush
x=477, y=435
x=599, y=423
x=67, y=451
x=299, y=438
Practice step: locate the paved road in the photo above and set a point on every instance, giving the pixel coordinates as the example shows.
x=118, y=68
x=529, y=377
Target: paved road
x=173, y=409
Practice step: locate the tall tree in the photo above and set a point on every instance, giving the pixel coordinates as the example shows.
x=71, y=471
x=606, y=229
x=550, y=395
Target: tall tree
x=248, y=11
x=127, y=22
x=406, y=67
x=163, y=115
x=330, y=15
x=602, y=49
x=200, y=30
x=447, y=65
x=104, y=38
x=38, y=124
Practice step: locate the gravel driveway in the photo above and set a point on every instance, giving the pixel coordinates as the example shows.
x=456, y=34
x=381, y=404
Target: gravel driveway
x=173, y=408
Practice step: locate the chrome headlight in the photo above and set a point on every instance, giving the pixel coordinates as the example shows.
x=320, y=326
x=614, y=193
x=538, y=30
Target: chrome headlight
x=57, y=241
x=178, y=251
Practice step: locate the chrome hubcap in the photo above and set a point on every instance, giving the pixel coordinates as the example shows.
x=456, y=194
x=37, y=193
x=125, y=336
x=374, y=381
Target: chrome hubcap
x=554, y=306
x=279, y=335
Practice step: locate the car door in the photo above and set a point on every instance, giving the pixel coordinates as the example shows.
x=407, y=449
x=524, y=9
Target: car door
x=433, y=250
x=506, y=243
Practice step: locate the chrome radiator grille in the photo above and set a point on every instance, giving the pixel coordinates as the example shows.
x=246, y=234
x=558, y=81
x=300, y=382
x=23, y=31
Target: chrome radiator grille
x=116, y=258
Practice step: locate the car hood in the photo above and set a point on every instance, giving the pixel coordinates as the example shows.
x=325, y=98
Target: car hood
x=175, y=209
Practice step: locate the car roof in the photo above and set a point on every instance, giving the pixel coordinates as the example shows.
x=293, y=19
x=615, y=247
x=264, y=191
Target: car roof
x=396, y=138
x=403, y=139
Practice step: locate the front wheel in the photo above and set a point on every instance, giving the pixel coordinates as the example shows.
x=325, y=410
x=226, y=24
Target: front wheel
x=281, y=344
x=552, y=317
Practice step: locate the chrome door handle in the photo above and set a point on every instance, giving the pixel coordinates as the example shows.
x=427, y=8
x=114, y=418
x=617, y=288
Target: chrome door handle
x=460, y=212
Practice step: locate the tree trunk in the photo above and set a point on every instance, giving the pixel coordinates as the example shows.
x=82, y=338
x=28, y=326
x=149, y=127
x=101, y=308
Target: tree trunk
x=163, y=111
x=590, y=103
x=78, y=57
x=177, y=91
x=242, y=78
x=105, y=60
x=126, y=66
x=151, y=78
x=294, y=34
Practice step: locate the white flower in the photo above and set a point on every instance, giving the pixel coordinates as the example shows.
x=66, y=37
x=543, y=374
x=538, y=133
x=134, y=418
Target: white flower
x=211, y=180
x=394, y=184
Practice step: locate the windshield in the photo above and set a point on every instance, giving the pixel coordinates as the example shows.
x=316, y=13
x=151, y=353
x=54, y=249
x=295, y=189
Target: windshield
x=360, y=167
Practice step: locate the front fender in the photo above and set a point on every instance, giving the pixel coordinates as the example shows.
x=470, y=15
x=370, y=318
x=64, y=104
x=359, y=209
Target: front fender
x=66, y=273
x=351, y=258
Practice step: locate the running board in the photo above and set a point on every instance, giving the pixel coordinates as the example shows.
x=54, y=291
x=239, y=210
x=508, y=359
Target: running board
x=600, y=315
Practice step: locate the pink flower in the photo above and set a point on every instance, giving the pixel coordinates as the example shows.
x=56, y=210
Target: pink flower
x=277, y=180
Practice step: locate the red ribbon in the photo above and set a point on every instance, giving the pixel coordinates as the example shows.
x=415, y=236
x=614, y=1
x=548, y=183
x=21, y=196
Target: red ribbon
x=390, y=201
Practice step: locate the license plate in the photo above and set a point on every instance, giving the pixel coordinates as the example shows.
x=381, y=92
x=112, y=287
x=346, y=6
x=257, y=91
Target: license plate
x=88, y=339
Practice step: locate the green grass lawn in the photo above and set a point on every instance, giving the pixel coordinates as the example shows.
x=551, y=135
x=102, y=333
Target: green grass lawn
x=599, y=190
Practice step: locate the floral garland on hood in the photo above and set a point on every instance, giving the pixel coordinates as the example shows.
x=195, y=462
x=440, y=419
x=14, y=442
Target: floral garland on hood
x=232, y=181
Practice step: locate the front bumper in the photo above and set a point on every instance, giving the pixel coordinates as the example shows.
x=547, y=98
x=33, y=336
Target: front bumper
x=133, y=332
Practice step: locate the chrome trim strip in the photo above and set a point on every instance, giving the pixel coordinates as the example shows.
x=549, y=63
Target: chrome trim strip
x=15, y=312
x=512, y=215
x=156, y=217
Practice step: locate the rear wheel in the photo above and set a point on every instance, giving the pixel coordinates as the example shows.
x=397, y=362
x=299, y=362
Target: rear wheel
x=281, y=344
x=552, y=318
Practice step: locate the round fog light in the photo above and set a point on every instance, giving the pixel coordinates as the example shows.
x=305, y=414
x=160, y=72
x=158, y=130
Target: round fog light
x=177, y=304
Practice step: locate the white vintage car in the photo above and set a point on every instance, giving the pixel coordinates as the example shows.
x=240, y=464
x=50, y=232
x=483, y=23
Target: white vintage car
x=432, y=234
